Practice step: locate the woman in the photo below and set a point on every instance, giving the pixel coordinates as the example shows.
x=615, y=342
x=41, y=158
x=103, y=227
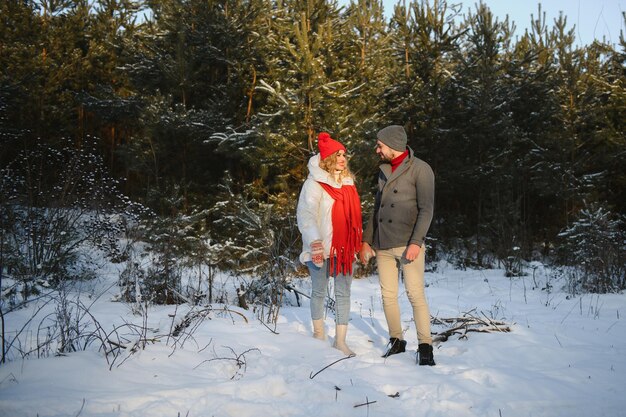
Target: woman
x=329, y=218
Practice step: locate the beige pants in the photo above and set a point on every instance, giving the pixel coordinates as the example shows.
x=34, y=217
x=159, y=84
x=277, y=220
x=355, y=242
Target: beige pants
x=413, y=272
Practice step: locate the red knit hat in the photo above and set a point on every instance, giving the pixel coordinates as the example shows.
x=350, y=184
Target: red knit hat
x=328, y=145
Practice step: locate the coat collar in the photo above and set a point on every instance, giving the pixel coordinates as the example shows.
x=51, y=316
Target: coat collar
x=318, y=174
x=386, y=166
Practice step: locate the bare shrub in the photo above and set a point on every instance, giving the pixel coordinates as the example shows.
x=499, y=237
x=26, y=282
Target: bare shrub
x=53, y=203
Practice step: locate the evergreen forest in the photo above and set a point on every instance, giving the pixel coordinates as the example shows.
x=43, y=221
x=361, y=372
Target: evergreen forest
x=187, y=125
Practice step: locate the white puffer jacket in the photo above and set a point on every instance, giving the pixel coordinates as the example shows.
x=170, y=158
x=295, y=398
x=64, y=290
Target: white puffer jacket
x=314, y=212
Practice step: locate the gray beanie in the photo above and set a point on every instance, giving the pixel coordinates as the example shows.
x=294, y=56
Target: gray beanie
x=393, y=136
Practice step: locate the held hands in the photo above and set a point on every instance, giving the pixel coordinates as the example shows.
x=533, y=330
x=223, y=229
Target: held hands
x=317, y=253
x=366, y=253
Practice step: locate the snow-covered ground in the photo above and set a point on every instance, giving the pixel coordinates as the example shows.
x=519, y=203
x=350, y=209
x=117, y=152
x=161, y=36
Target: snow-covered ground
x=565, y=356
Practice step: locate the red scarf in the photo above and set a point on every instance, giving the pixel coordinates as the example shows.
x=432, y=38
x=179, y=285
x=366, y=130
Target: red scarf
x=347, y=227
x=395, y=162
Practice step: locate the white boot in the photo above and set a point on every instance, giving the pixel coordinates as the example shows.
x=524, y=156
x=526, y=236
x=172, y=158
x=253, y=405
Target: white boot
x=318, y=329
x=340, y=340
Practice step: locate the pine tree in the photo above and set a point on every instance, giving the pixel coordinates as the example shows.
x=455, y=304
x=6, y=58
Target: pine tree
x=593, y=244
x=108, y=108
x=302, y=88
x=367, y=73
x=19, y=31
x=424, y=38
x=533, y=107
x=483, y=134
x=190, y=64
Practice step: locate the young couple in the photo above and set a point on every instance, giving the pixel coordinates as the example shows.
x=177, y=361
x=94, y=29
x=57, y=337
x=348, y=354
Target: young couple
x=329, y=219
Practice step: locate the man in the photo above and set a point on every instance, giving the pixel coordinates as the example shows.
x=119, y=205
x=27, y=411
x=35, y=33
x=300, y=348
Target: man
x=397, y=228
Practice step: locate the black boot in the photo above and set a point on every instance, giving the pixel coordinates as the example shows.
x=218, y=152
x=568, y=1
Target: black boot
x=396, y=346
x=425, y=354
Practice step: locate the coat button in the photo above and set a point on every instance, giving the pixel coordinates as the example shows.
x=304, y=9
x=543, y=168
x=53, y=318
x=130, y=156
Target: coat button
x=392, y=205
x=380, y=220
x=389, y=220
x=395, y=191
x=382, y=205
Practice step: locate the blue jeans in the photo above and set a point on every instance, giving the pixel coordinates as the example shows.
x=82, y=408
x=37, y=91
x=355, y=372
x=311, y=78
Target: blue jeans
x=319, y=289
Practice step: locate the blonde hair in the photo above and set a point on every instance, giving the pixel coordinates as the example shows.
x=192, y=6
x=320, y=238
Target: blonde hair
x=328, y=164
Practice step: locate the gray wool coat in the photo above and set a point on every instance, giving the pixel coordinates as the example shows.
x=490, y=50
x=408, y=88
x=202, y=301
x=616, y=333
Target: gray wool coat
x=404, y=205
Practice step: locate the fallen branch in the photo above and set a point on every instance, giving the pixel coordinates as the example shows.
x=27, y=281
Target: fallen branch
x=313, y=375
x=188, y=319
x=367, y=402
x=228, y=310
x=290, y=287
x=268, y=327
x=239, y=359
x=468, y=323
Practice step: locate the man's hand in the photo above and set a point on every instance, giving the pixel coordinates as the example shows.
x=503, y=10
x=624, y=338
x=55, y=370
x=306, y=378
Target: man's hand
x=317, y=253
x=412, y=252
x=366, y=253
